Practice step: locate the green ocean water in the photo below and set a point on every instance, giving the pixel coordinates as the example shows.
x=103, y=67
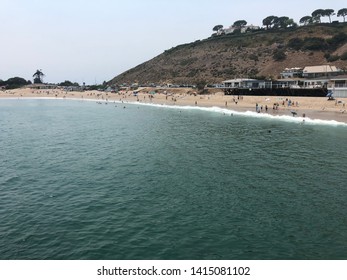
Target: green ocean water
x=80, y=180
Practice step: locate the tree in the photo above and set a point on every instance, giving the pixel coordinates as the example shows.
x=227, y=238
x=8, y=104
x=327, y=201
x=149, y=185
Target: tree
x=306, y=20
x=15, y=82
x=38, y=75
x=239, y=23
x=217, y=27
x=66, y=83
x=317, y=14
x=342, y=13
x=200, y=85
x=283, y=22
x=328, y=13
x=269, y=21
x=291, y=23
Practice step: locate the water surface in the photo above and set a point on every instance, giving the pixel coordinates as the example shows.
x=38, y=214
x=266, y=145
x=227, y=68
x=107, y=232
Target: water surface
x=80, y=180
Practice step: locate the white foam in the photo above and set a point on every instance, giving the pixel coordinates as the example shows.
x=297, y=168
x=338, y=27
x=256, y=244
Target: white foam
x=214, y=109
x=219, y=110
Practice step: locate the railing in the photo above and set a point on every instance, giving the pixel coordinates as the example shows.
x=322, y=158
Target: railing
x=340, y=86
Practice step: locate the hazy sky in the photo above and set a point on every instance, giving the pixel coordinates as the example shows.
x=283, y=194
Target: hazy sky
x=94, y=40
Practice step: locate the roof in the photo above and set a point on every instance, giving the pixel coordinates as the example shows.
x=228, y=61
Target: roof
x=293, y=69
x=240, y=80
x=321, y=69
x=289, y=80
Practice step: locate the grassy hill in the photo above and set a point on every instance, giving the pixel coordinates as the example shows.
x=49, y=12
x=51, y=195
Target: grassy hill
x=263, y=53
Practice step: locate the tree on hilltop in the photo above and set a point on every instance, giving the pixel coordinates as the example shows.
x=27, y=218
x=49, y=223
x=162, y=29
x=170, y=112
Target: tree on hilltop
x=217, y=27
x=306, y=20
x=284, y=22
x=317, y=14
x=328, y=13
x=342, y=13
x=38, y=75
x=240, y=23
x=269, y=21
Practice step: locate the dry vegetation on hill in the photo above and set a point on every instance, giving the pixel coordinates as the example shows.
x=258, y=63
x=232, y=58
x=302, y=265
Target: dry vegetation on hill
x=257, y=54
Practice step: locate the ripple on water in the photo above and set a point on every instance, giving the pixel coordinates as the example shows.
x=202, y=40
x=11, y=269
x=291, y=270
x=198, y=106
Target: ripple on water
x=100, y=183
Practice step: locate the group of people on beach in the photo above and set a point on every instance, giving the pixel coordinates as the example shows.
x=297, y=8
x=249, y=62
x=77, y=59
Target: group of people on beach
x=260, y=108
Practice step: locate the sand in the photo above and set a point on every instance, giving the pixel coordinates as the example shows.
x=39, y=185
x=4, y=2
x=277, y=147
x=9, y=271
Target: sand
x=311, y=107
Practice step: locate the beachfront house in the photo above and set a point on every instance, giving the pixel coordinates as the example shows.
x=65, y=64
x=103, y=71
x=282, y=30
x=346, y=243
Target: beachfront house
x=316, y=83
x=42, y=86
x=288, y=83
x=246, y=83
x=312, y=72
x=295, y=72
x=338, y=86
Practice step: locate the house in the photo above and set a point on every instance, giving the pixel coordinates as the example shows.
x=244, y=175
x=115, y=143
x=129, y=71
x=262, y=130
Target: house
x=316, y=82
x=288, y=83
x=228, y=30
x=312, y=72
x=242, y=29
x=251, y=27
x=294, y=72
x=246, y=83
x=338, y=86
x=41, y=86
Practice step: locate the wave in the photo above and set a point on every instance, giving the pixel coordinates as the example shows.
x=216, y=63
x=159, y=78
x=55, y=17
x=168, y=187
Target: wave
x=224, y=111
x=213, y=109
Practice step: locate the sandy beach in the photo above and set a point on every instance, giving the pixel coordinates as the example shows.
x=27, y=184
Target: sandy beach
x=310, y=107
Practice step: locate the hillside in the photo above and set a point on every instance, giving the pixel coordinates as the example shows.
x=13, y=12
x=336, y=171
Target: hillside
x=258, y=54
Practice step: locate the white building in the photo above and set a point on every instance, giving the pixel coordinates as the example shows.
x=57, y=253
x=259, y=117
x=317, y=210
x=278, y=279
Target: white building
x=246, y=83
x=246, y=28
x=243, y=29
x=338, y=86
x=294, y=72
x=321, y=71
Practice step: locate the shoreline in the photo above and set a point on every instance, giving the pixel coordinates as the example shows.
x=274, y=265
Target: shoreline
x=308, y=108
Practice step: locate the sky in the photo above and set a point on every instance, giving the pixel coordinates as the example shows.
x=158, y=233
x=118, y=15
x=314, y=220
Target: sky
x=93, y=41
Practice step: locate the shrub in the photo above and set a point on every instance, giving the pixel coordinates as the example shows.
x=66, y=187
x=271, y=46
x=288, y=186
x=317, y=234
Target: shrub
x=253, y=57
x=344, y=56
x=332, y=58
x=337, y=40
x=279, y=55
x=295, y=43
x=200, y=85
x=315, y=44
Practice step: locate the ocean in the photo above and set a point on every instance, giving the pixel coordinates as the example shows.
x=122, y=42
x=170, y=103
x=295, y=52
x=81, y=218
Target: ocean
x=81, y=180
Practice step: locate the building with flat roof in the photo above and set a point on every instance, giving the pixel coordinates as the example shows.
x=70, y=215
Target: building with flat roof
x=246, y=83
x=294, y=72
x=338, y=86
x=319, y=71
